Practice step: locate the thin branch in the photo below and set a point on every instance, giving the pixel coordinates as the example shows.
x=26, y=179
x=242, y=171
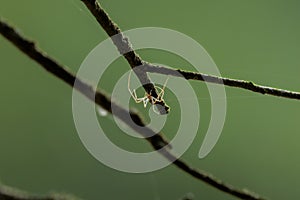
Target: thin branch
x=11, y=196
x=123, y=44
x=125, y=48
x=28, y=47
x=247, y=85
x=9, y=193
x=157, y=141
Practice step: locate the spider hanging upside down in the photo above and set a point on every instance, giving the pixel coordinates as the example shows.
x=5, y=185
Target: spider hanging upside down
x=148, y=98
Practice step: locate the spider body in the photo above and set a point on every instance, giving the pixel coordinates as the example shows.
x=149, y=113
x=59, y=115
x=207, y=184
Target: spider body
x=148, y=98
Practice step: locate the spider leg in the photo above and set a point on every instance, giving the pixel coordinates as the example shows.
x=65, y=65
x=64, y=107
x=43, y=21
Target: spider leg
x=136, y=99
x=163, y=89
x=134, y=96
x=145, y=101
x=133, y=93
x=147, y=98
x=160, y=94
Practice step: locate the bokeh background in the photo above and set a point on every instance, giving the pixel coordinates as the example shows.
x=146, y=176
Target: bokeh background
x=254, y=40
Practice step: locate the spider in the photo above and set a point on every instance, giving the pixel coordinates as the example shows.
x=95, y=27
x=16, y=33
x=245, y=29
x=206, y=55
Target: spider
x=147, y=97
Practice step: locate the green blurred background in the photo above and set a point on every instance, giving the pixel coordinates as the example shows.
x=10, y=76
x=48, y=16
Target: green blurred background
x=254, y=40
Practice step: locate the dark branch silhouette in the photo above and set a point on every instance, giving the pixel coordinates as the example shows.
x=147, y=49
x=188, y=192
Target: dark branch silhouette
x=98, y=97
x=125, y=48
x=8, y=193
x=123, y=44
x=11, y=196
x=248, y=85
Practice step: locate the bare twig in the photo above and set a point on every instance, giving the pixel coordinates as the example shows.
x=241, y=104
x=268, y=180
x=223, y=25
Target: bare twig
x=28, y=47
x=9, y=193
x=248, y=85
x=157, y=141
x=124, y=45
x=125, y=48
x=11, y=196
